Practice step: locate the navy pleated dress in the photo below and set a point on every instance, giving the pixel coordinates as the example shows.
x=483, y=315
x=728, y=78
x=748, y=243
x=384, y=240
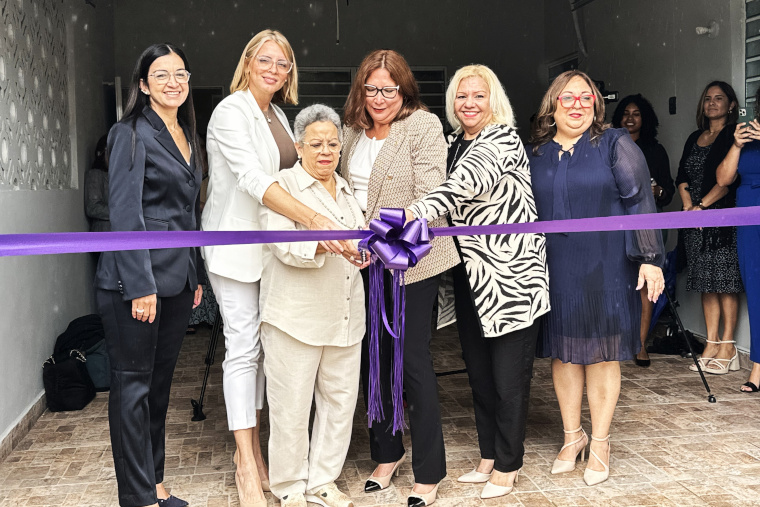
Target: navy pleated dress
x=595, y=308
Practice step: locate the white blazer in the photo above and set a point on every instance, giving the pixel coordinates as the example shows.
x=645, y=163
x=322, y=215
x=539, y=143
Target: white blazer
x=242, y=159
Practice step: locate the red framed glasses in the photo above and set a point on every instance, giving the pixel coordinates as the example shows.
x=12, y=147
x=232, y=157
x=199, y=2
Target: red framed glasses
x=569, y=100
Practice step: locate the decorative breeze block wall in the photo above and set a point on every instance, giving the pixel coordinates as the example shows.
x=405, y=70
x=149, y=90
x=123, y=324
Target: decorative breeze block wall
x=34, y=107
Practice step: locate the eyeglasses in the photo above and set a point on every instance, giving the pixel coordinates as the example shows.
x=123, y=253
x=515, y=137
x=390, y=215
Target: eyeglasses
x=389, y=92
x=332, y=147
x=162, y=76
x=568, y=101
x=266, y=63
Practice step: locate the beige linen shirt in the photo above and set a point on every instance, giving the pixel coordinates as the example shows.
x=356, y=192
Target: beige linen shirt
x=318, y=299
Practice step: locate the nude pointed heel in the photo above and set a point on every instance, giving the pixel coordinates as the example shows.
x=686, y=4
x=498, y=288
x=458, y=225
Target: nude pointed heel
x=594, y=477
x=561, y=466
x=264, y=482
x=378, y=483
x=491, y=490
x=422, y=499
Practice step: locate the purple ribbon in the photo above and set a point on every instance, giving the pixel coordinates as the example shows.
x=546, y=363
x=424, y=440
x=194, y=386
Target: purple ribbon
x=397, y=247
x=80, y=242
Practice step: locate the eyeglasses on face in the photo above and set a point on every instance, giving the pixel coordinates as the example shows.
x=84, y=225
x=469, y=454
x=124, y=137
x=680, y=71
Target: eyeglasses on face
x=332, y=146
x=162, y=76
x=389, y=92
x=568, y=100
x=266, y=63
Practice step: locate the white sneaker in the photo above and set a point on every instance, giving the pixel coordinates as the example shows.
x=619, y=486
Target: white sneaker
x=330, y=496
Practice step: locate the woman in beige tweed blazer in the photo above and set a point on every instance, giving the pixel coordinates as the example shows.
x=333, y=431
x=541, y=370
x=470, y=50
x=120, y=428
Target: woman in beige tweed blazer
x=393, y=154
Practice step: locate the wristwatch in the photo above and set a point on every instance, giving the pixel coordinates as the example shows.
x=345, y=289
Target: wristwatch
x=701, y=206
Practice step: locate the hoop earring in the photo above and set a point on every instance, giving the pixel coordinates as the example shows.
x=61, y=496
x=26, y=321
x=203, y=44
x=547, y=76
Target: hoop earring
x=552, y=124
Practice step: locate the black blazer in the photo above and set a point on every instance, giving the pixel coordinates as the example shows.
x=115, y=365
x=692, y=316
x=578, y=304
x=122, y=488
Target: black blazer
x=154, y=190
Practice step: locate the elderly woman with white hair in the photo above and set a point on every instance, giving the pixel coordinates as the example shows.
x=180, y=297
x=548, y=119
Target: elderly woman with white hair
x=501, y=286
x=312, y=324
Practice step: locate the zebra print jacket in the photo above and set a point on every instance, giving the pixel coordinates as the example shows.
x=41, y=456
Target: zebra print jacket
x=490, y=184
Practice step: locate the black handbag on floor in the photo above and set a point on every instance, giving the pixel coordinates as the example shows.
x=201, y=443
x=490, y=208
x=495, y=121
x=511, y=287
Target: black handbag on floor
x=67, y=384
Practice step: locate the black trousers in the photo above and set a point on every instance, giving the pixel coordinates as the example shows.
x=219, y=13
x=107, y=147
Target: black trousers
x=143, y=357
x=500, y=370
x=420, y=384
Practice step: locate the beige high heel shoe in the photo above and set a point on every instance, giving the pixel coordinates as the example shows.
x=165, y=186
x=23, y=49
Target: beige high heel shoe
x=723, y=366
x=491, y=490
x=561, y=466
x=594, y=477
x=264, y=482
x=422, y=499
x=245, y=502
x=704, y=360
x=375, y=483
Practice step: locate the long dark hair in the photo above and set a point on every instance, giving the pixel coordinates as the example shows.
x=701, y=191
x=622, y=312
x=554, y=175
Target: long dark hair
x=649, y=121
x=733, y=112
x=355, y=112
x=136, y=100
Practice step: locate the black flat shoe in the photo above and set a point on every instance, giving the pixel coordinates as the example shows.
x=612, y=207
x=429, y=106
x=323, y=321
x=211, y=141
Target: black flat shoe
x=644, y=363
x=752, y=387
x=172, y=501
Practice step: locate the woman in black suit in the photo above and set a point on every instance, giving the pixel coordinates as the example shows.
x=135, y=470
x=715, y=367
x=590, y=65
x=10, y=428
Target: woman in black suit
x=145, y=297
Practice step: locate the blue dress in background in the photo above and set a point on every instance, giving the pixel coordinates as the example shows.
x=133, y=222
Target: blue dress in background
x=748, y=241
x=595, y=309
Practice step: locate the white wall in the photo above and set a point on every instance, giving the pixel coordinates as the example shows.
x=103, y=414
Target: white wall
x=41, y=295
x=651, y=47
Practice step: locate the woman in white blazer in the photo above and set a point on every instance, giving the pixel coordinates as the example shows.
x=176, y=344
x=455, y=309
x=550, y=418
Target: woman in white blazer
x=249, y=141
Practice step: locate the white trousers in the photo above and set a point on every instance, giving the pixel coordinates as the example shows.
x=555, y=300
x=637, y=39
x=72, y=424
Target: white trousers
x=243, y=378
x=297, y=374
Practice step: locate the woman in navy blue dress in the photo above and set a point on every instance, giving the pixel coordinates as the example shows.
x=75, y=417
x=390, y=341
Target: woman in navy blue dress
x=744, y=158
x=582, y=169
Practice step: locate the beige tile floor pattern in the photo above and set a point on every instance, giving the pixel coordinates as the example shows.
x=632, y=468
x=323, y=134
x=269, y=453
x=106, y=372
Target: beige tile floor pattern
x=669, y=446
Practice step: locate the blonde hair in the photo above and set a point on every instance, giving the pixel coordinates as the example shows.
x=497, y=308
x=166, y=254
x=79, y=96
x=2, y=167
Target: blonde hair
x=288, y=94
x=544, y=126
x=501, y=109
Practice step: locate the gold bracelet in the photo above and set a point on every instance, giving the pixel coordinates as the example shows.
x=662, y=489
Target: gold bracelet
x=312, y=219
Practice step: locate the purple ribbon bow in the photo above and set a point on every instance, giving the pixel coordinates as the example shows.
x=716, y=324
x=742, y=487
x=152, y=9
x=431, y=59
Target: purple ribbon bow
x=396, y=247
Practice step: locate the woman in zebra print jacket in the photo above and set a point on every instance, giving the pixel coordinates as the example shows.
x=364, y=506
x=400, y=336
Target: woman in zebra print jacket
x=501, y=286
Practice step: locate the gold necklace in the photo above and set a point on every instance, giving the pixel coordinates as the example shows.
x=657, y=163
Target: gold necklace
x=266, y=115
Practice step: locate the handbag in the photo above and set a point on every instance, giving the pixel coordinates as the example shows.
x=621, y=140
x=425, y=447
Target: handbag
x=67, y=384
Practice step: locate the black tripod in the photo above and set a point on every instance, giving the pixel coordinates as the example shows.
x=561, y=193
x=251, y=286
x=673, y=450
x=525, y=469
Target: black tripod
x=673, y=305
x=198, y=414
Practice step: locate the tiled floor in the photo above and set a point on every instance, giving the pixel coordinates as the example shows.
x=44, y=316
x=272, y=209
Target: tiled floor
x=669, y=446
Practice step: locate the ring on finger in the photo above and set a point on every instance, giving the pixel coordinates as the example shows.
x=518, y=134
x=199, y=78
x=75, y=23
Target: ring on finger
x=140, y=310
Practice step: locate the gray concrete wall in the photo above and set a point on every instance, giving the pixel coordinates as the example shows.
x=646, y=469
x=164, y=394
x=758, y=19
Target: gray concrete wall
x=651, y=47
x=506, y=35
x=41, y=295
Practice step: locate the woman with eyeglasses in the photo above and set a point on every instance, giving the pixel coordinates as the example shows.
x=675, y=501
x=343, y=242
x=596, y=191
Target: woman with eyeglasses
x=394, y=153
x=145, y=297
x=248, y=142
x=312, y=324
x=580, y=168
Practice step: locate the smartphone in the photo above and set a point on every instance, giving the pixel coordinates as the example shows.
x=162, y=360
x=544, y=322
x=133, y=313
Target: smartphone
x=746, y=114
